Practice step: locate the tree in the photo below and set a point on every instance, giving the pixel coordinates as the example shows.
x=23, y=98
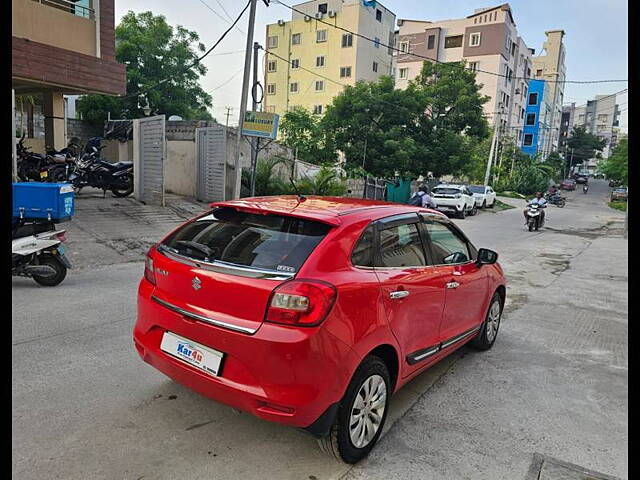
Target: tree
x=585, y=146
x=325, y=182
x=616, y=167
x=301, y=132
x=158, y=60
x=267, y=180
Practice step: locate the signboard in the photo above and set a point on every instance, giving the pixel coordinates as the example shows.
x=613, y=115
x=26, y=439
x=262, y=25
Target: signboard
x=260, y=124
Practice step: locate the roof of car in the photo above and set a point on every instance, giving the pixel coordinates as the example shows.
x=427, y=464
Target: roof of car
x=329, y=210
x=449, y=185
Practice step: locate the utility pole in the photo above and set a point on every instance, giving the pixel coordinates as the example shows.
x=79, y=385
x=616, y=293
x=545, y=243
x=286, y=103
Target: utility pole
x=493, y=148
x=14, y=155
x=227, y=114
x=245, y=92
x=255, y=142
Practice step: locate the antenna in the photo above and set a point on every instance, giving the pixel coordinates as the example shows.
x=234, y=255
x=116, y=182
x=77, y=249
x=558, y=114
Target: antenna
x=301, y=198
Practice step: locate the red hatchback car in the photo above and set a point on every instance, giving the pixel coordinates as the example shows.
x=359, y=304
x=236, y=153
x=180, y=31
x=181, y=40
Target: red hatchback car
x=311, y=312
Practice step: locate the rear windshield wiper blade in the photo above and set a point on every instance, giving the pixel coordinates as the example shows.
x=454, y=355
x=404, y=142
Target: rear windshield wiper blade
x=197, y=246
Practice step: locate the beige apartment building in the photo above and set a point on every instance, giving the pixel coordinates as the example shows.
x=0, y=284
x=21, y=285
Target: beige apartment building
x=313, y=61
x=488, y=41
x=550, y=67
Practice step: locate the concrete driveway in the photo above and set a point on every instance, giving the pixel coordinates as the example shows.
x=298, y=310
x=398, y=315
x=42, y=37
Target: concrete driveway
x=85, y=406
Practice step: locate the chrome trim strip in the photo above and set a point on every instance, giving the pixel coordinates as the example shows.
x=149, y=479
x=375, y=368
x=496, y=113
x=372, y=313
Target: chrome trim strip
x=426, y=354
x=459, y=337
x=221, y=267
x=202, y=318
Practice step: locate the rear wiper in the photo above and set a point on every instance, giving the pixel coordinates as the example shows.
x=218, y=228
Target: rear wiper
x=197, y=246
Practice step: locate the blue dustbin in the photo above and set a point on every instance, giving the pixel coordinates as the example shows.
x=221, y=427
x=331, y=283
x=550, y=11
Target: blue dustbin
x=43, y=201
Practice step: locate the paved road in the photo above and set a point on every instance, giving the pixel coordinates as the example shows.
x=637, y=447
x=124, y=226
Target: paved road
x=85, y=406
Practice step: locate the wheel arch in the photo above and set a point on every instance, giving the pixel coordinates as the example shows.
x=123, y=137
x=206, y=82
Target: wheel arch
x=389, y=355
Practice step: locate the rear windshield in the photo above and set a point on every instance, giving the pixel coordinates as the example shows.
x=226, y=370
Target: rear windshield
x=476, y=189
x=446, y=191
x=270, y=242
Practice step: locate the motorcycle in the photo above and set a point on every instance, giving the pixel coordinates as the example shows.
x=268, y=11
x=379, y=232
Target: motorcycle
x=585, y=189
x=534, y=217
x=37, y=252
x=31, y=166
x=92, y=171
x=62, y=163
x=555, y=199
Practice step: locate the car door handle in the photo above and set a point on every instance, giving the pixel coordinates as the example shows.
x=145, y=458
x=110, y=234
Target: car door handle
x=398, y=294
x=453, y=285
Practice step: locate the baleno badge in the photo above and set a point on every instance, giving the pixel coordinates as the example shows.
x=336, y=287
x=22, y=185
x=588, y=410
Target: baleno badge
x=196, y=283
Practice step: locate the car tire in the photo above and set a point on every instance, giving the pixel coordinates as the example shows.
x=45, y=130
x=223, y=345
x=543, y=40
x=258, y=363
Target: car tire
x=473, y=211
x=56, y=278
x=462, y=214
x=493, y=204
x=484, y=204
x=489, y=329
x=339, y=443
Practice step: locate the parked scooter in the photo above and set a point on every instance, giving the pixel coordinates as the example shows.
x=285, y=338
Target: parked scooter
x=92, y=171
x=555, y=199
x=31, y=166
x=37, y=252
x=534, y=217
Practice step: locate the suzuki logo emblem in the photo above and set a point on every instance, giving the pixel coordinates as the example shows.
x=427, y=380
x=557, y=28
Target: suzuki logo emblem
x=196, y=283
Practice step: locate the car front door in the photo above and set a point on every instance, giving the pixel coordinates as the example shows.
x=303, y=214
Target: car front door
x=466, y=283
x=413, y=291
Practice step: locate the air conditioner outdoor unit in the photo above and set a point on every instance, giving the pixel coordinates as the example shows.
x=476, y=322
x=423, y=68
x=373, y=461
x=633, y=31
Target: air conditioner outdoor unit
x=281, y=22
x=307, y=18
x=332, y=13
x=319, y=15
x=400, y=22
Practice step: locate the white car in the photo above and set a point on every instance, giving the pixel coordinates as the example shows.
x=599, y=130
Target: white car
x=454, y=199
x=484, y=195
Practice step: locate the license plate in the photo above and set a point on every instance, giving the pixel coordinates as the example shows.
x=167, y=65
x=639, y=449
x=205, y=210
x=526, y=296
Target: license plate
x=43, y=174
x=60, y=250
x=204, y=358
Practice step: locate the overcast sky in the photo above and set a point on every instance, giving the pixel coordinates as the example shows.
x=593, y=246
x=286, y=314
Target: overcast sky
x=596, y=37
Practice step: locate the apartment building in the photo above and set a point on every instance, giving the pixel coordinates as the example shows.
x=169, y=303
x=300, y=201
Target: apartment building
x=599, y=116
x=550, y=67
x=488, y=41
x=537, y=118
x=63, y=47
x=317, y=60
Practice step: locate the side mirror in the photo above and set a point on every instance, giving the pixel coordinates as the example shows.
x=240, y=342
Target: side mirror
x=486, y=257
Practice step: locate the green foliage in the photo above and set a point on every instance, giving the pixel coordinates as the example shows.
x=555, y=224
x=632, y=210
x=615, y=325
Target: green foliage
x=622, y=206
x=325, y=183
x=153, y=51
x=267, y=182
x=584, y=145
x=301, y=132
x=616, y=167
x=478, y=156
x=518, y=172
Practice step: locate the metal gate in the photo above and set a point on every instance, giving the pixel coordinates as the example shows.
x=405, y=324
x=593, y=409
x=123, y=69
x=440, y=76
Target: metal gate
x=211, y=148
x=374, y=188
x=151, y=143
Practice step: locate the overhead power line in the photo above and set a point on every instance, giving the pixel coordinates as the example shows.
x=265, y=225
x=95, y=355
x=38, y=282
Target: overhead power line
x=226, y=20
x=390, y=47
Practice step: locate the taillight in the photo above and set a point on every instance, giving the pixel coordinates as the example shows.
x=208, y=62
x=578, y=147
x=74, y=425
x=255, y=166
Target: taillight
x=301, y=302
x=61, y=236
x=149, y=272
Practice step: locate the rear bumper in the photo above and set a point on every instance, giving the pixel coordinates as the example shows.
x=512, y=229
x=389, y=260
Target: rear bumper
x=280, y=374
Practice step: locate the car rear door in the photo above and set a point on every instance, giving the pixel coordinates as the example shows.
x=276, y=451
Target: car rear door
x=413, y=291
x=465, y=283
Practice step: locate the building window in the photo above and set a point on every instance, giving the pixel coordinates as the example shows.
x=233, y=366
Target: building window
x=404, y=72
x=347, y=40
x=375, y=67
x=296, y=39
x=539, y=72
x=473, y=66
x=272, y=42
x=376, y=42
x=322, y=8
x=272, y=66
x=513, y=48
x=507, y=100
x=533, y=99
x=474, y=39
x=404, y=47
x=317, y=109
x=528, y=139
x=293, y=87
x=345, y=72
x=507, y=43
x=521, y=113
x=379, y=15
x=320, y=61
x=431, y=42
x=271, y=89
x=453, y=42
x=531, y=119
x=295, y=64
x=319, y=85
x=602, y=117
x=321, y=36
x=519, y=135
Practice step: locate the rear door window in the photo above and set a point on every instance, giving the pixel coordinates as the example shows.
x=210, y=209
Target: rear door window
x=362, y=255
x=268, y=242
x=401, y=246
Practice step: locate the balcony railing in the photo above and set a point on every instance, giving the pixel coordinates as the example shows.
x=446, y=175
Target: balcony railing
x=70, y=7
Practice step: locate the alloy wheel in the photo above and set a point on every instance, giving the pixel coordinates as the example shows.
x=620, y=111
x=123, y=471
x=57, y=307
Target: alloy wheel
x=367, y=411
x=493, y=321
